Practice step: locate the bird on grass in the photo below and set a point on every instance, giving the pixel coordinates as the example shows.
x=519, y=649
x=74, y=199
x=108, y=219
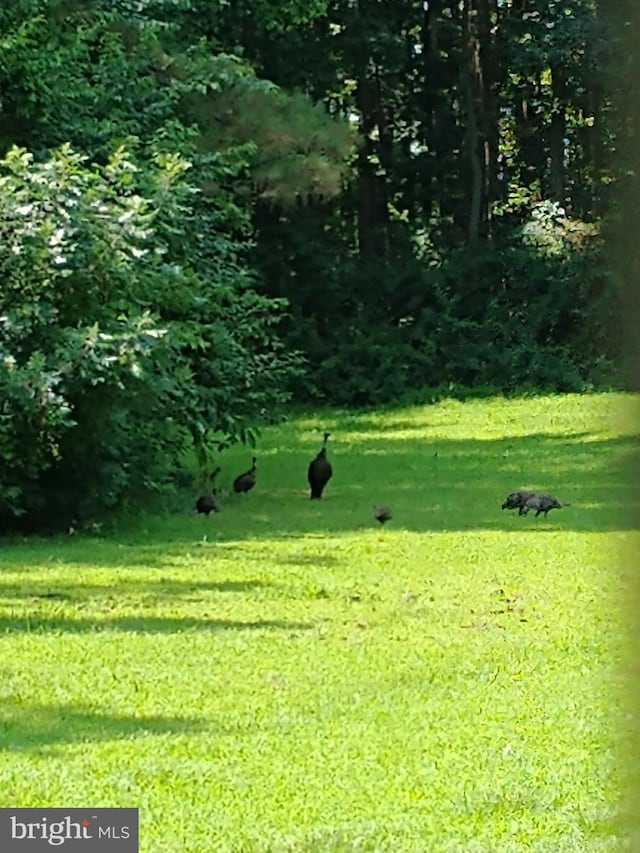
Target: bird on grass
x=516, y=500
x=382, y=514
x=243, y=483
x=207, y=503
x=320, y=470
x=541, y=503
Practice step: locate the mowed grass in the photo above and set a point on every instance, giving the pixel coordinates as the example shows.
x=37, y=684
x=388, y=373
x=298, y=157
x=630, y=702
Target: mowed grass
x=289, y=676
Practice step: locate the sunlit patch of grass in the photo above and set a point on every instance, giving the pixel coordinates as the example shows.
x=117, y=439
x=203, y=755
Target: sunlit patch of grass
x=288, y=676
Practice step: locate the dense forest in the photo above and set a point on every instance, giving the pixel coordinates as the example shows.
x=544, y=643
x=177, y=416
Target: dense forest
x=208, y=209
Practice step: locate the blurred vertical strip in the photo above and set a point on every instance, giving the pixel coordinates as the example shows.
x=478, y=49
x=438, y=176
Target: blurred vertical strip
x=625, y=215
x=624, y=241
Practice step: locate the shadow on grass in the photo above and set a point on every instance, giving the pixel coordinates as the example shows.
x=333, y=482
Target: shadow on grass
x=117, y=590
x=457, y=485
x=302, y=560
x=431, y=484
x=41, y=624
x=35, y=727
x=161, y=588
x=442, y=485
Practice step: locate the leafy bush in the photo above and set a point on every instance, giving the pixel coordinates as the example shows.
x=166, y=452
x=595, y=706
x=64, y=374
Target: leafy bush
x=531, y=309
x=119, y=341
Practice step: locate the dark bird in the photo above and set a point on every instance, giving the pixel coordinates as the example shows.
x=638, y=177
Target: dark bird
x=320, y=470
x=207, y=503
x=382, y=514
x=245, y=482
x=541, y=503
x=516, y=500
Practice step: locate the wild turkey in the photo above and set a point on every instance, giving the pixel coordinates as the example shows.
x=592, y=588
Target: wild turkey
x=207, y=503
x=382, y=514
x=541, y=503
x=516, y=500
x=243, y=483
x=320, y=470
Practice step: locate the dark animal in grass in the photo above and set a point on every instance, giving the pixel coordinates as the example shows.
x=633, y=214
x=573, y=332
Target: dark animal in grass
x=516, y=500
x=243, y=483
x=207, y=503
x=320, y=470
x=382, y=514
x=541, y=503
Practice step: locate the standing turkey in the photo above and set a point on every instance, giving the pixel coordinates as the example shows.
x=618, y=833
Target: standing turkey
x=207, y=503
x=243, y=483
x=516, y=500
x=320, y=471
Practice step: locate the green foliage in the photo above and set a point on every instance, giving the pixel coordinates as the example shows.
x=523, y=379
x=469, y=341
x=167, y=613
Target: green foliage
x=540, y=312
x=109, y=72
x=83, y=75
x=117, y=343
x=296, y=152
x=536, y=127
x=535, y=307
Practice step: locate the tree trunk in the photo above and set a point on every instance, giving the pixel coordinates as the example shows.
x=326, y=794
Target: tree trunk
x=592, y=203
x=427, y=135
x=372, y=201
x=472, y=87
x=528, y=130
x=557, y=133
x=491, y=72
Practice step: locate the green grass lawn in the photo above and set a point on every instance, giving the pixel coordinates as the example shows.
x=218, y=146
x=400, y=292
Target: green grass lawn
x=288, y=676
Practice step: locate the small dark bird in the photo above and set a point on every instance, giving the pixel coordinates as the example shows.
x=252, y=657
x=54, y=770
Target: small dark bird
x=245, y=482
x=516, y=500
x=320, y=470
x=541, y=503
x=207, y=503
x=382, y=514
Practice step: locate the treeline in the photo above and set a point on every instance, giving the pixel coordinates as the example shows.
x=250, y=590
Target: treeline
x=467, y=245
x=207, y=208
